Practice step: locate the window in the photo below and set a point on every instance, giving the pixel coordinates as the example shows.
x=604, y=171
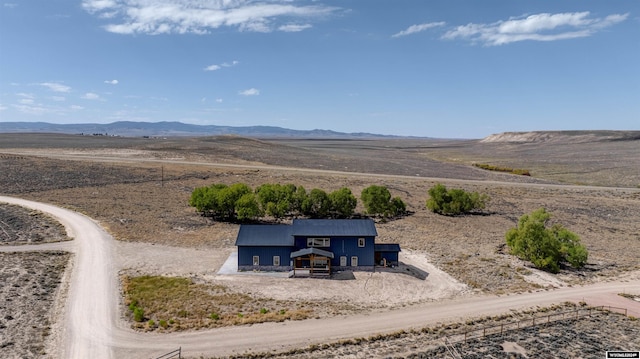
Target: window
x=256, y=260
x=361, y=242
x=354, y=261
x=276, y=261
x=343, y=261
x=318, y=242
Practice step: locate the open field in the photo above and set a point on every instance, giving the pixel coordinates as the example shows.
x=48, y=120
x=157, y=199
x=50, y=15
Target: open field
x=138, y=189
x=28, y=296
x=566, y=336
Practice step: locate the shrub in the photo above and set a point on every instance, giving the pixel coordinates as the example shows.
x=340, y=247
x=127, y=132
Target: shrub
x=138, y=314
x=264, y=311
x=377, y=201
x=163, y=324
x=545, y=247
x=214, y=316
x=454, y=201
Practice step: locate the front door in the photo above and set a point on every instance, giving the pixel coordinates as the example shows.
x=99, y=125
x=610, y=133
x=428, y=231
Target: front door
x=354, y=261
x=343, y=261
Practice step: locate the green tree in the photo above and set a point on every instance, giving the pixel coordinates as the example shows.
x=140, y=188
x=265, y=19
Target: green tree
x=546, y=248
x=397, y=207
x=317, y=204
x=299, y=197
x=275, y=199
x=227, y=198
x=454, y=201
x=247, y=207
x=343, y=202
x=377, y=201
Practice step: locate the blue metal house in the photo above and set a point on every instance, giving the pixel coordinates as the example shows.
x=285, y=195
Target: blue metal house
x=317, y=245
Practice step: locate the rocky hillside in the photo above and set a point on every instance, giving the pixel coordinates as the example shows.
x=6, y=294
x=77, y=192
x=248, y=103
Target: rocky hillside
x=563, y=136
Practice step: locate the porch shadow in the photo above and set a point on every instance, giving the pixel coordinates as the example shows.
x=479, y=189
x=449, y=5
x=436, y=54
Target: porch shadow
x=403, y=268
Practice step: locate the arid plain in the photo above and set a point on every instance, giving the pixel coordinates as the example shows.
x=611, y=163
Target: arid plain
x=139, y=188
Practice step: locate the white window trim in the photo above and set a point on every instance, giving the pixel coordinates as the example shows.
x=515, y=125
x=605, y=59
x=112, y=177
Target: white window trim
x=343, y=259
x=361, y=242
x=354, y=263
x=318, y=242
x=256, y=260
x=276, y=261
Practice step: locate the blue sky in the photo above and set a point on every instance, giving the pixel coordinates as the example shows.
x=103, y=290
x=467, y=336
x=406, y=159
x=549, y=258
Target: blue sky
x=443, y=68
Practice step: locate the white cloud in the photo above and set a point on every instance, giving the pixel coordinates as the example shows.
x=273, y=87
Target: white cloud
x=111, y=82
x=2, y=107
x=219, y=100
x=56, y=87
x=538, y=27
x=294, y=27
x=250, y=92
x=201, y=17
x=212, y=68
x=10, y=6
x=91, y=96
x=58, y=98
x=34, y=109
x=76, y=107
x=215, y=67
x=26, y=101
x=418, y=28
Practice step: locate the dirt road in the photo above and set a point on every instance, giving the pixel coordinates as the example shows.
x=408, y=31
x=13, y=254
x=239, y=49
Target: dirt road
x=93, y=329
x=91, y=305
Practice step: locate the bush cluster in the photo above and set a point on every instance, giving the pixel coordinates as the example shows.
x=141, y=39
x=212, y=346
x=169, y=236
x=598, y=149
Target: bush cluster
x=239, y=202
x=515, y=171
x=546, y=248
x=454, y=201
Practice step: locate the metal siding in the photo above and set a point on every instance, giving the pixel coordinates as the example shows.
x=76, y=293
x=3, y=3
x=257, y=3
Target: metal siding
x=245, y=255
x=348, y=247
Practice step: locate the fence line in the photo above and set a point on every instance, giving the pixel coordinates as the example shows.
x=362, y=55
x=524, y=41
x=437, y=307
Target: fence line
x=524, y=323
x=172, y=354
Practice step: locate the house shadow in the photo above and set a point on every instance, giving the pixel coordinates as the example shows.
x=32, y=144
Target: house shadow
x=407, y=269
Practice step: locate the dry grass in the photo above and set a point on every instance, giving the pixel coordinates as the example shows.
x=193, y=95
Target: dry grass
x=172, y=304
x=565, y=336
x=135, y=204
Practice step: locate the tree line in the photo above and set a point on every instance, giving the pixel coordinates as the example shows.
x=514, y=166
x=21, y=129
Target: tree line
x=531, y=240
x=239, y=202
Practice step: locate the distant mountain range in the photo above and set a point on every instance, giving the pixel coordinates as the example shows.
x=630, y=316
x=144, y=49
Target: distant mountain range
x=139, y=129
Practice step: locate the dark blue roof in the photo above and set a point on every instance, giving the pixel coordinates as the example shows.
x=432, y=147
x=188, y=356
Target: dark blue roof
x=265, y=235
x=386, y=247
x=334, y=227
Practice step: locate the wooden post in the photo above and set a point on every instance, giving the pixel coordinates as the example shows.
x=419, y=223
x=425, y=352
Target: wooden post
x=501, y=325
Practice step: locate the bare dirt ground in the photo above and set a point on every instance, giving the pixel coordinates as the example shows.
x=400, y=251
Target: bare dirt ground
x=28, y=295
x=22, y=226
x=139, y=189
x=572, y=337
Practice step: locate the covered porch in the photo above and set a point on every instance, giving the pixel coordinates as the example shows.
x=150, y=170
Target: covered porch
x=312, y=262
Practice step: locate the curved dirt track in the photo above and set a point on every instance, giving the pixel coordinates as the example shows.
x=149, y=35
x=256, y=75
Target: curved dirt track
x=93, y=329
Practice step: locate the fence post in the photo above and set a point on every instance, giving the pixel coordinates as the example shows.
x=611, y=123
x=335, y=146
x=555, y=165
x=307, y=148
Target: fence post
x=179, y=352
x=501, y=325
